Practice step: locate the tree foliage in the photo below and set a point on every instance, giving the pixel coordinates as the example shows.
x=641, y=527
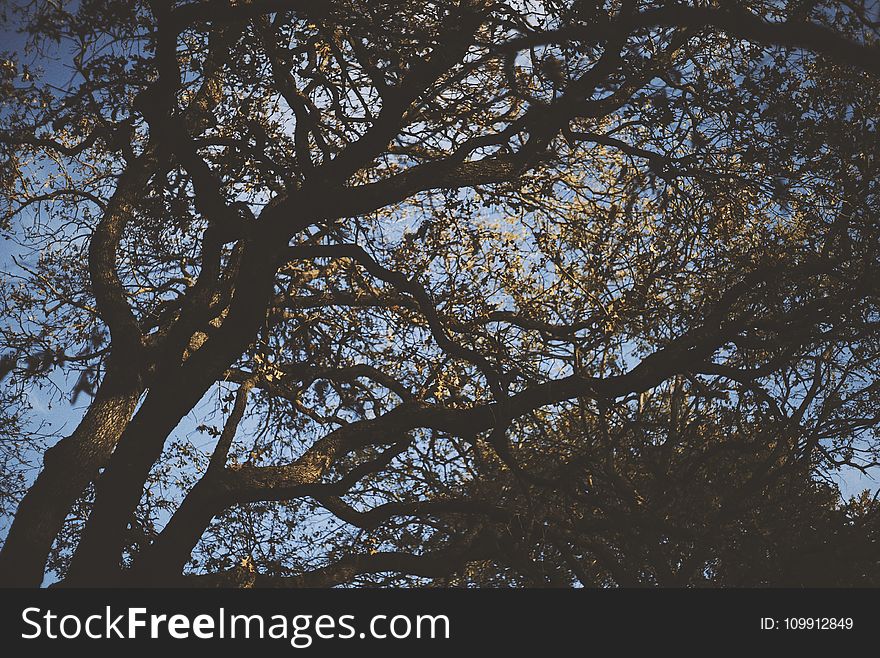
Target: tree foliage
x=464, y=292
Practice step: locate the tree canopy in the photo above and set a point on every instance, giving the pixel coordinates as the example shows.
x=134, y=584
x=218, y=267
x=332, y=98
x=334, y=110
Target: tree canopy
x=461, y=293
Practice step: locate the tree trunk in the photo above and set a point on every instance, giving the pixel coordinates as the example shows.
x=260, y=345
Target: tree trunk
x=68, y=467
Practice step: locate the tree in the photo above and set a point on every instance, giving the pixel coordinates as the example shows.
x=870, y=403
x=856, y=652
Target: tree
x=457, y=292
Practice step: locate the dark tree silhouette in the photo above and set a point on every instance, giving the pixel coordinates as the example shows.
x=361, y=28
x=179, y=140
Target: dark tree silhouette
x=479, y=292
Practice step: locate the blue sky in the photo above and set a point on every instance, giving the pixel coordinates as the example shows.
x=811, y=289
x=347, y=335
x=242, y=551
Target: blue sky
x=52, y=410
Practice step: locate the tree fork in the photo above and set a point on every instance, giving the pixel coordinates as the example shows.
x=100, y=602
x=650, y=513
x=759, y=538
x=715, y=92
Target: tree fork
x=171, y=397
